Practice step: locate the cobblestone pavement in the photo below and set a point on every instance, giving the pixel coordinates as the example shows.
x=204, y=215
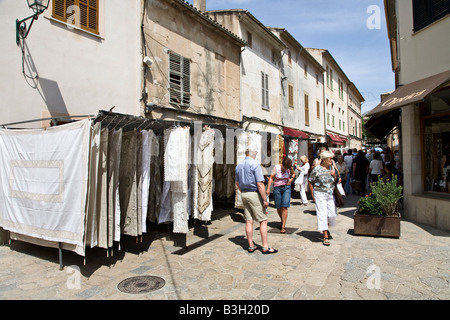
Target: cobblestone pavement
x=215, y=264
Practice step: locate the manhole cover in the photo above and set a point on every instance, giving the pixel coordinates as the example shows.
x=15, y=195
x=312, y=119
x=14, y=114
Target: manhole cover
x=141, y=284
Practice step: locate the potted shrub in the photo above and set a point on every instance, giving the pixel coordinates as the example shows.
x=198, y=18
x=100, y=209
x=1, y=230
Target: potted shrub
x=378, y=212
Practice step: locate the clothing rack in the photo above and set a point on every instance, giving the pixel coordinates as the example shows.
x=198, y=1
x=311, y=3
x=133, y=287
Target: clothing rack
x=45, y=119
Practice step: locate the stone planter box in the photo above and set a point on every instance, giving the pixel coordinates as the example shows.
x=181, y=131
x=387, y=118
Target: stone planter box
x=376, y=226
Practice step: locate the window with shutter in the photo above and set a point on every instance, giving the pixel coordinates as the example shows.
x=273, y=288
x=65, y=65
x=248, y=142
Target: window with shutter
x=179, y=80
x=291, y=95
x=306, y=110
x=425, y=12
x=318, y=109
x=265, y=90
x=81, y=13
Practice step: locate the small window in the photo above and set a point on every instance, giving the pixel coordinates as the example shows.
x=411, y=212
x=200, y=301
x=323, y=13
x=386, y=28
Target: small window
x=179, y=80
x=249, y=39
x=318, y=109
x=306, y=110
x=264, y=90
x=291, y=95
x=81, y=13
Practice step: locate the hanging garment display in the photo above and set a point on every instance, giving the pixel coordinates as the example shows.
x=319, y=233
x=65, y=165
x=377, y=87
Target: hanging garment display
x=128, y=183
x=176, y=161
x=102, y=190
x=91, y=219
x=44, y=180
x=145, y=175
x=205, y=159
x=114, y=150
x=155, y=178
x=293, y=151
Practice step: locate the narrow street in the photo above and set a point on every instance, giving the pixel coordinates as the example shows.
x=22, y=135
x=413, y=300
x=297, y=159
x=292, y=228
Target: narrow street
x=215, y=265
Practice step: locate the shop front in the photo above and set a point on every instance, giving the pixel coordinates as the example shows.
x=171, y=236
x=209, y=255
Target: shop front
x=421, y=110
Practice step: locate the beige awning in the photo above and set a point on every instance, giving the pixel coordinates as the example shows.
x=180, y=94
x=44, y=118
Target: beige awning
x=410, y=93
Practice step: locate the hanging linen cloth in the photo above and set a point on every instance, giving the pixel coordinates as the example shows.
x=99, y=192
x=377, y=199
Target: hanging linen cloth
x=176, y=161
x=156, y=163
x=293, y=151
x=114, y=150
x=91, y=219
x=205, y=159
x=128, y=183
x=145, y=175
x=102, y=190
x=44, y=182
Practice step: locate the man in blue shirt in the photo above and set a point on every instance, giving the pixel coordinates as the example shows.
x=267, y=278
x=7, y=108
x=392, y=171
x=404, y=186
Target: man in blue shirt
x=250, y=181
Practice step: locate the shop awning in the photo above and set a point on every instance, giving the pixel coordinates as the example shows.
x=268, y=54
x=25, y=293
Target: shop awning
x=336, y=139
x=410, y=93
x=380, y=126
x=295, y=133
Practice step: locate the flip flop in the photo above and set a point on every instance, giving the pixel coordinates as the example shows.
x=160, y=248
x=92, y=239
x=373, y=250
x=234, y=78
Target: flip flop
x=326, y=242
x=269, y=251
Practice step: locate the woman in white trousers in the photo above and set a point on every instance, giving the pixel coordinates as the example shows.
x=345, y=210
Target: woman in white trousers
x=302, y=180
x=321, y=183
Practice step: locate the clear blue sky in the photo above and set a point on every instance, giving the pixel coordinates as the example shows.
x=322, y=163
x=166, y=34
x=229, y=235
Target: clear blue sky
x=353, y=31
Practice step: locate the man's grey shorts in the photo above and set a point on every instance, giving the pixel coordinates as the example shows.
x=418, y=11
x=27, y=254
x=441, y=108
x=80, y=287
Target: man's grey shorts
x=253, y=206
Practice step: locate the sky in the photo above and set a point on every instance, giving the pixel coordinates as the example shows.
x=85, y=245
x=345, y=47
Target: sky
x=353, y=31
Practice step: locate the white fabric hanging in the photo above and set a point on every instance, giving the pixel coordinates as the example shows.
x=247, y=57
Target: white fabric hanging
x=146, y=147
x=115, y=146
x=44, y=181
x=91, y=219
x=175, y=190
x=205, y=158
x=102, y=190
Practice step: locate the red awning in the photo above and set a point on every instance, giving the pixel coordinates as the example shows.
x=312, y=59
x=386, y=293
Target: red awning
x=336, y=139
x=295, y=133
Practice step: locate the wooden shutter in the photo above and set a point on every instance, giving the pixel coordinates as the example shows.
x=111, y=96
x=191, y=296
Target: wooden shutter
x=306, y=109
x=291, y=95
x=179, y=80
x=318, y=109
x=82, y=13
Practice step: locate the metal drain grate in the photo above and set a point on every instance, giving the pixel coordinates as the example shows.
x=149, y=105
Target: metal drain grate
x=141, y=284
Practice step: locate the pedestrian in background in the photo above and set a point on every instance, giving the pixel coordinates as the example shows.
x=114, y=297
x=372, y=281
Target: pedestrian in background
x=360, y=171
x=341, y=166
x=321, y=183
x=376, y=167
x=250, y=181
x=282, y=177
x=348, y=159
x=302, y=179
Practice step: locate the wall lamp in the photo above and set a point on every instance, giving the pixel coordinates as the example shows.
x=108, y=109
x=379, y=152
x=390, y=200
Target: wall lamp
x=38, y=6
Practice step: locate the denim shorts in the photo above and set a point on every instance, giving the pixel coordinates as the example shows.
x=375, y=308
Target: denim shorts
x=282, y=196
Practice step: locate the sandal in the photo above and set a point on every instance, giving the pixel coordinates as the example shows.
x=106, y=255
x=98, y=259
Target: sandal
x=251, y=249
x=326, y=242
x=269, y=251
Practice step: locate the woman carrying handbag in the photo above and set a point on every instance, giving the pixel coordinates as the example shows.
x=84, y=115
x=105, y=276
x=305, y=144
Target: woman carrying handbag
x=322, y=184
